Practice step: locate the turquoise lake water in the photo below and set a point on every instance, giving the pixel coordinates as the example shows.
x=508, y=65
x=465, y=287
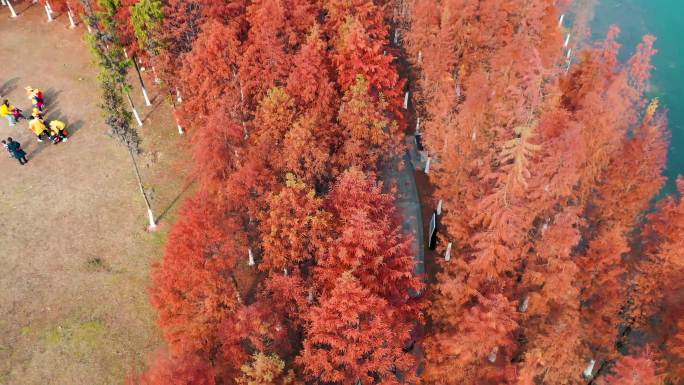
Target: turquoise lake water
x=665, y=20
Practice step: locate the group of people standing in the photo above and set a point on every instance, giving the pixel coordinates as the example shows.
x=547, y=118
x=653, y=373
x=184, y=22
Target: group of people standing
x=55, y=130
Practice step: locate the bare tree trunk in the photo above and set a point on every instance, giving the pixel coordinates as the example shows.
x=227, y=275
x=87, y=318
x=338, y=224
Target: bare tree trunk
x=142, y=83
x=150, y=214
x=135, y=112
x=11, y=8
x=72, y=24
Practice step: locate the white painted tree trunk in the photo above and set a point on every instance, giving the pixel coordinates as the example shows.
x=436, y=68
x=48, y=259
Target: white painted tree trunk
x=427, y=165
x=590, y=368
x=156, y=77
x=3, y=2
x=178, y=96
x=135, y=112
x=447, y=254
x=406, y=100
x=150, y=217
x=560, y=20
x=417, y=125
x=525, y=303
x=11, y=8
x=567, y=41
x=47, y=11
x=250, y=260
x=125, y=53
x=420, y=56
x=150, y=214
x=72, y=24
x=439, y=207
x=49, y=7
x=492, y=356
x=147, y=98
x=569, y=53
x=137, y=116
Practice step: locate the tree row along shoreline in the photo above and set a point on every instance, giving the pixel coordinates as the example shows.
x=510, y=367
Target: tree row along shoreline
x=289, y=264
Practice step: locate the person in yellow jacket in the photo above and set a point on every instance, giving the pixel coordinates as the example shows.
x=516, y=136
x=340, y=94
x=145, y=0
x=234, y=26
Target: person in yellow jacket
x=10, y=112
x=38, y=127
x=37, y=114
x=36, y=97
x=58, y=131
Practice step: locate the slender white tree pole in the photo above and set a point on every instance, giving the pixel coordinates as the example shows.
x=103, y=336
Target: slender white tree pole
x=135, y=112
x=427, y=165
x=567, y=41
x=11, y=8
x=150, y=214
x=72, y=24
x=589, y=369
x=560, y=20
x=156, y=77
x=175, y=116
x=447, y=254
x=406, y=100
x=250, y=261
x=142, y=83
x=49, y=7
x=47, y=11
x=3, y=2
x=178, y=96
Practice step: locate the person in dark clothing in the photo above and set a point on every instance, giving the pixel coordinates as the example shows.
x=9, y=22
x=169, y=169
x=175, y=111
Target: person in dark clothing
x=15, y=149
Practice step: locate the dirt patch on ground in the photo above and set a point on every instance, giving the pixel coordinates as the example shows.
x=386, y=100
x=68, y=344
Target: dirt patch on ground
x=74, y=259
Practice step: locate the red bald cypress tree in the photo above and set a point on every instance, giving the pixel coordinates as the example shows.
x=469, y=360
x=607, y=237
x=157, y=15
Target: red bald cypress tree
x=193, y=288
x=633, y=370
x=208, y=81
x=180, y=370
x=182, y=24
x=368, y=242
x=350, y=338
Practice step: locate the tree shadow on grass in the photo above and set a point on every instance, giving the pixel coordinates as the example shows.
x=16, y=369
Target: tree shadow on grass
x=173, y=202
x=152, y=108
x=8, y=86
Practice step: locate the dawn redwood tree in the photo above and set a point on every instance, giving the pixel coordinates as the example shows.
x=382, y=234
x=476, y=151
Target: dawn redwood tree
x=310, y=82
x=183, y=22
x=633, y=370
x=217, y=149
x=293, y=227
x=208, y=80
x=368, y=242
x=265, y=370
x=165, y=369
x=276, y=29
x=368, y=135
x=194, y=289
x=350, y=338
x=658, y=306
x=265, y=61
x=528, y=162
